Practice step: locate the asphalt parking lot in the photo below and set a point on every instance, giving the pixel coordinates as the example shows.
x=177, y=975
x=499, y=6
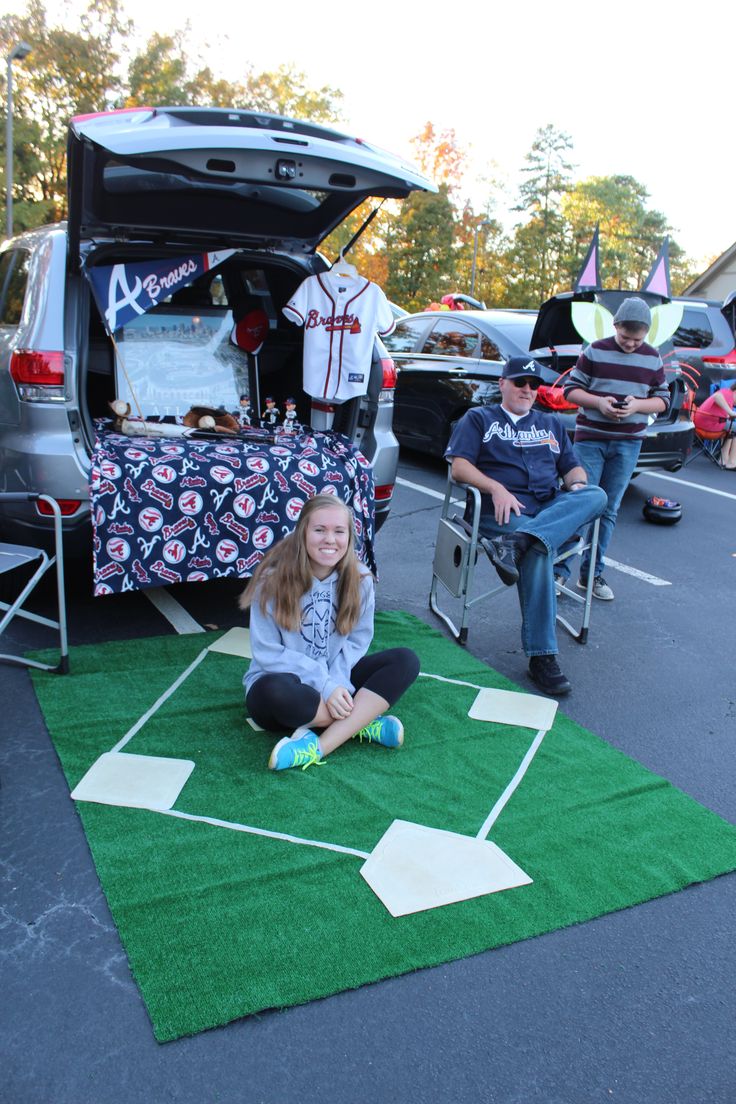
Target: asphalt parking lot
x=636, y=1007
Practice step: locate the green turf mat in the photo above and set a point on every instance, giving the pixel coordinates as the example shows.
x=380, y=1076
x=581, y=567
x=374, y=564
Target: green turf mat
x=218, y=924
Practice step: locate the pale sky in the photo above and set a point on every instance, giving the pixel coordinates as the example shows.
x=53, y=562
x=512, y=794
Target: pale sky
x=643, y=88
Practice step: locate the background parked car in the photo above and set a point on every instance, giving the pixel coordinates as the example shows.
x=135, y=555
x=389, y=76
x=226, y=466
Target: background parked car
x=148, y=184
x=704, y=343
x=448, y=362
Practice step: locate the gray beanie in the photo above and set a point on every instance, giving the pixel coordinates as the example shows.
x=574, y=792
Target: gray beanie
x=633, y=311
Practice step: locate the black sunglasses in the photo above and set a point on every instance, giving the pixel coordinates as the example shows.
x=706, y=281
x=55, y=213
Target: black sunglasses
x=535, y=384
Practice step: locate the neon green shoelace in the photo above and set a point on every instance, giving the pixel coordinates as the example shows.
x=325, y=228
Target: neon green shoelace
x=371, y=732
x=308, y=756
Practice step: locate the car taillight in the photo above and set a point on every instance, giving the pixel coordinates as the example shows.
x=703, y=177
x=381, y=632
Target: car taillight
x=39, y=376
x=729, y=359
x=388, y=382
x=553, y=398
x=383, y=492
x=67, y=507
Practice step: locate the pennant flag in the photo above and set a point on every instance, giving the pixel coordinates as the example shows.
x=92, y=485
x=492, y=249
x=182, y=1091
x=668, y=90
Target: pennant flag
x=124, y=291
x=589, y=278
x=658, y=280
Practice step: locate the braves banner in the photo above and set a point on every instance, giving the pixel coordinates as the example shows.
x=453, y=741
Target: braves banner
x=172, y=511
x=123, y=291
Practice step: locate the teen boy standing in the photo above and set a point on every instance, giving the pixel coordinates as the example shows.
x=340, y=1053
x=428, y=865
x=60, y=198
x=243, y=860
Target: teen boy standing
x=618, y=383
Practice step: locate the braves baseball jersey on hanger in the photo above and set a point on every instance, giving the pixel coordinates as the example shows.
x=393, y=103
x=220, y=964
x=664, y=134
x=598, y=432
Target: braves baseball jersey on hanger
x=341, y=316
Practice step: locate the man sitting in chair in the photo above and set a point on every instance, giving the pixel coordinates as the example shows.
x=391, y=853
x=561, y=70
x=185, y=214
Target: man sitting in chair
x=516, y=457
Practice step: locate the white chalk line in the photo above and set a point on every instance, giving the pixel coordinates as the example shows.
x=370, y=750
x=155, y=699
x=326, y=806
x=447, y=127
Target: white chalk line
x=235, y=827
x=157, y=704
x=339, y=848
x=512, y=786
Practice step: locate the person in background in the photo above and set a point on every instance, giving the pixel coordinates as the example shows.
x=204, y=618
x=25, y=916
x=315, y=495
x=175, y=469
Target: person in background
x=717, y=415
x=618, y=383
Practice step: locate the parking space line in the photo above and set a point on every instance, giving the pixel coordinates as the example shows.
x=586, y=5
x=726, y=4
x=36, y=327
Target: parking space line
x=687, y=483
x=174, y=613
x=418, y=487
x=644, y=576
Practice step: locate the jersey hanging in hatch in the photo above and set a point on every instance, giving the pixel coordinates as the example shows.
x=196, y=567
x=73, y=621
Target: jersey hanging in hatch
x=341, y=315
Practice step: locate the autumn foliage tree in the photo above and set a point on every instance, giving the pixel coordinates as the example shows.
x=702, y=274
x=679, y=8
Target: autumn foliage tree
x=417, y=249
x=91, y=67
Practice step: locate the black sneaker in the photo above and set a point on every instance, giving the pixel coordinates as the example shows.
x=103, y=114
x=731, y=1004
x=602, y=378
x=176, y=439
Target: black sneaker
x=545, y=671
x=505, y=554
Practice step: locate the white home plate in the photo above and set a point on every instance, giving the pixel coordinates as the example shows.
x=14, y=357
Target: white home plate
x=135, y=781
x=413, y=868
x=235, y=642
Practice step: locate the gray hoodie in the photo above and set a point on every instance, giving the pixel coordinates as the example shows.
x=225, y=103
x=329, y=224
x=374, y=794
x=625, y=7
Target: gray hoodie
x=316, y=653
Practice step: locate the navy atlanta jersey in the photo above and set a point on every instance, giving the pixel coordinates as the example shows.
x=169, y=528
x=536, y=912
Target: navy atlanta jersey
x=527, y=457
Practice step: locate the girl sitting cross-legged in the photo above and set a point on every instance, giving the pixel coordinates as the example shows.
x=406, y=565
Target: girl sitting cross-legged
x=311, y=623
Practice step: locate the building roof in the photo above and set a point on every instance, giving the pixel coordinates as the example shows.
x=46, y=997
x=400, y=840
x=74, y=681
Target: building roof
x=720, y=265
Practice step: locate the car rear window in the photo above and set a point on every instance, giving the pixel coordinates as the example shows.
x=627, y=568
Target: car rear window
x=695, y=330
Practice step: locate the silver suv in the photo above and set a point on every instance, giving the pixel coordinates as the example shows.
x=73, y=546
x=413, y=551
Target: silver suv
x=147, y=184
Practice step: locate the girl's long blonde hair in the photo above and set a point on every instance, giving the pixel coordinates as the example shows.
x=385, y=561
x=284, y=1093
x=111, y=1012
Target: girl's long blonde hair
x=284, y=575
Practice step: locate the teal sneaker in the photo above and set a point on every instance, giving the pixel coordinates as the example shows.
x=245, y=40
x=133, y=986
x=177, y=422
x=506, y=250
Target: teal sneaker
x=388, y=731
x=296, y=751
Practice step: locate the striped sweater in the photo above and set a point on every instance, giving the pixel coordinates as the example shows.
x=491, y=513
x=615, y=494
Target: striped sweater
x=605, y=369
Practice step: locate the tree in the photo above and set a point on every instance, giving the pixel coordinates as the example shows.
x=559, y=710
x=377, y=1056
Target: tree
x=631, y=233
x=421, y=253
x=441, y=158
x=490, y=266
x=539, y=240
x=286, y=92
x=157, y=77
x=72, y=72
x=76, y=70
x=369, y=254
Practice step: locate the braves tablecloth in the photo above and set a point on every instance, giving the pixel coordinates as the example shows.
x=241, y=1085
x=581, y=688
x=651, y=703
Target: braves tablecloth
x=190, y=509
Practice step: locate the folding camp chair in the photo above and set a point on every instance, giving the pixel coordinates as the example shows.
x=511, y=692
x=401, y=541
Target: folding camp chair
x=18, y=556
x=456, y=556
x=708, y=439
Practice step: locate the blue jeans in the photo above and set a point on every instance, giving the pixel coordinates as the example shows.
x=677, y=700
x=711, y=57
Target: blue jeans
x=555, y=523
x=609, y=464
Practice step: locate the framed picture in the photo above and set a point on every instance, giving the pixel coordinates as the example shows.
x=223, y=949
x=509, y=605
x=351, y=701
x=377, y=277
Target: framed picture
x=176, y=357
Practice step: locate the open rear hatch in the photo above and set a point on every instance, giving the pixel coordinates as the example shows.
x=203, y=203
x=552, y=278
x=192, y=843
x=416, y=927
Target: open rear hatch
x=233, y=178
x=574, y=318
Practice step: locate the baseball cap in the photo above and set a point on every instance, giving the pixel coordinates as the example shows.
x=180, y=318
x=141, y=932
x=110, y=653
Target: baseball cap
x=518, y=367
x=633, y=312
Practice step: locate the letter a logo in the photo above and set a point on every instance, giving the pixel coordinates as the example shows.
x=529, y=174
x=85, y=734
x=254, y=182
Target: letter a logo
x=119, y=280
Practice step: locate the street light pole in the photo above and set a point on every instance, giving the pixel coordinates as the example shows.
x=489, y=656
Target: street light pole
x=20, y=50
x=479, y=227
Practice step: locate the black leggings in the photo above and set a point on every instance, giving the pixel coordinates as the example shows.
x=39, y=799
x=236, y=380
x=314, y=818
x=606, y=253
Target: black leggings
x=282, y=701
